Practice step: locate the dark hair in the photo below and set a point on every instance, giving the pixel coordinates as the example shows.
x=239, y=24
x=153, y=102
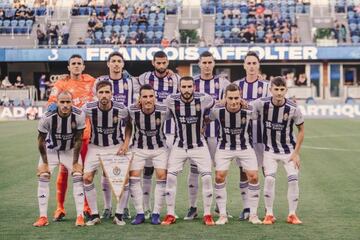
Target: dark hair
x=160, y=54
x=278, y=81
x=252, y=54
x=186, y=78
x=232, y=88
x=206, y=54
x=115, y=54
x=145, y=87
x=102, y=84
x=75, y=56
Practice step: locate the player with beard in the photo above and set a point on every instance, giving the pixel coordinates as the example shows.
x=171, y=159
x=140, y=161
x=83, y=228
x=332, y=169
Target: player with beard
x=125, y=90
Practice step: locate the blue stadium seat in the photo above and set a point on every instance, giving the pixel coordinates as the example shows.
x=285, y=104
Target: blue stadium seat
x=6, y=23
x=352, y=27
x=107, y=34
x=218, y=34
x=355, y=39
x=108, y=28
x=158, y=35
x=29, y=23
x=227, y=34
x=14, y=23
x=133, y=34
x=22, y=23
x=150, y=34
x=116, y=28
x=98, y=35
x=108, y=22
x=125, y=28
x=117, y=22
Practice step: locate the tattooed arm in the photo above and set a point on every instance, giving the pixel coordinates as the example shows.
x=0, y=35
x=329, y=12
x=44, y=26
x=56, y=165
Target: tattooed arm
x=42, y=168
x=77, y=147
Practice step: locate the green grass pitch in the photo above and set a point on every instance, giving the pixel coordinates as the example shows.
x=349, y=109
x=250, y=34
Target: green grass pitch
x=329, y=193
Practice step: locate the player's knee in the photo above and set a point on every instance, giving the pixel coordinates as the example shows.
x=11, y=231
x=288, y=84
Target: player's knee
x=88, y=178
x=252, y=177
x=135, y=173
x=270, y=179
x=161, y=174
x=220, y=177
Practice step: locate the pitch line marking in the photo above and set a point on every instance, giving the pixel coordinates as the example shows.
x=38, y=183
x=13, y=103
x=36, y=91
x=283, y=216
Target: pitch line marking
x=331, y=149
x=333, y=136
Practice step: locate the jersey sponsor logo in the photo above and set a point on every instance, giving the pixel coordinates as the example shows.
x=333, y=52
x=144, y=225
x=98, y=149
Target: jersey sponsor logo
x=64, y=137
x=233, y=131
x=105, y=130
x=274, y=126
x=188, y=119
x=160, y=95
x=149, y=133
x=119, y=98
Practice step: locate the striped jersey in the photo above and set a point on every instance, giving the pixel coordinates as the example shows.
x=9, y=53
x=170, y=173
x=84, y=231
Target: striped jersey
x=163, y=88
x=278, y=123
x=106, y=125
x=215, y=87
x=189, y=118
x=251, y=92
x=61, y=130
x=235, y=131
x=149, y=128
x=125, y=90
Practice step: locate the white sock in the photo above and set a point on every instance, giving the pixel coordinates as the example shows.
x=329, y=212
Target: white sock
x=293, y=193
x=269, y=194
x=253, y=197
x=207, y=192
x=78, y=192
x=107, y=194
x=221, y=197
x=136, y=194
x=159, y=195
x=90, y=192
x=43, y=195
x=123, y=201
x=171, y=184
x=193, y=185
x=244, y=193
x=147, y=183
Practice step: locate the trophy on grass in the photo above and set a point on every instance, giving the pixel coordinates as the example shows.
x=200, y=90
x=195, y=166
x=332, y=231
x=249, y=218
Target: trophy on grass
x=116, y=169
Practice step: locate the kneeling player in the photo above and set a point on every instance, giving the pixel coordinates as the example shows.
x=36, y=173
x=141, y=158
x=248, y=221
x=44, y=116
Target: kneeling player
x=59, y=142
x=105, y=117
x=278, y=115
x=234, y=143
x=149, y=143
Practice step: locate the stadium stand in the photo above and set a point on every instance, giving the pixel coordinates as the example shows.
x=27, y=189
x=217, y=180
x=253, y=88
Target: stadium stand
x=352, y=10
x=18, y=18
x=253, y=22
x=138, y=23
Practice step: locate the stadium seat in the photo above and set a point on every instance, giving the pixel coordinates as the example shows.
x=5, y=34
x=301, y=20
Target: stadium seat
x=150, y=34
x=29, y=23
x=355, y=39
x=98, y=35
x=108, y=28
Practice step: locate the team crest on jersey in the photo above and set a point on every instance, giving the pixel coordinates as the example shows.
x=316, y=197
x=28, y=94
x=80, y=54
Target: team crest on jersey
x=217, y=85
x=198, y=107
x=126, y=86
x=158, y=121
x=260, y=90
x=286, y=117
x=116, y=171
x=73, y=125
x=243, y=120
x=115, y=119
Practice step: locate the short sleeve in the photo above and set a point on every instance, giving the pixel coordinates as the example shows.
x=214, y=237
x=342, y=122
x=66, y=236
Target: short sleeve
x=81, y=121
x=208, y=101
x=44, y=125
x=298, y=117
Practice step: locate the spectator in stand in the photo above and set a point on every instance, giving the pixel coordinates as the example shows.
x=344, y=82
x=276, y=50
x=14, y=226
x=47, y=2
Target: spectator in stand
x=286, y=38
x=142, y=20
x=218, y=41
x=141, y=37
x=80, y=42
x=227, y=13
x=65, y=34
x=92, y=21
x=122, y=40
x=302, y=81
x=114, y=39
x=42, y=86
x=98, y=26
x=165, y=42
x=295, y=36
x=19, y=83
x=40, y=36
x=174, y=42
x=132, y=41
x=269, y=37
x=236, y=13
x=6, y=83
x=114, y=6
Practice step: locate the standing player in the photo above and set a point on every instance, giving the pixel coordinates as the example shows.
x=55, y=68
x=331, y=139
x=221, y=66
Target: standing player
x=188, y=108
x=59, y=142
x=213, y=85
x=125, y=88
x=252, y=88
x=106, y=136
x=149, y=143
x=164, y=84
x=278, y=116
x=80, y=86
x=234, y=143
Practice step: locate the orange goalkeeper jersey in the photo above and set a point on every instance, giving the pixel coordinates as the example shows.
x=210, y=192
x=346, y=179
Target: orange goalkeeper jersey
x=81, y=91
